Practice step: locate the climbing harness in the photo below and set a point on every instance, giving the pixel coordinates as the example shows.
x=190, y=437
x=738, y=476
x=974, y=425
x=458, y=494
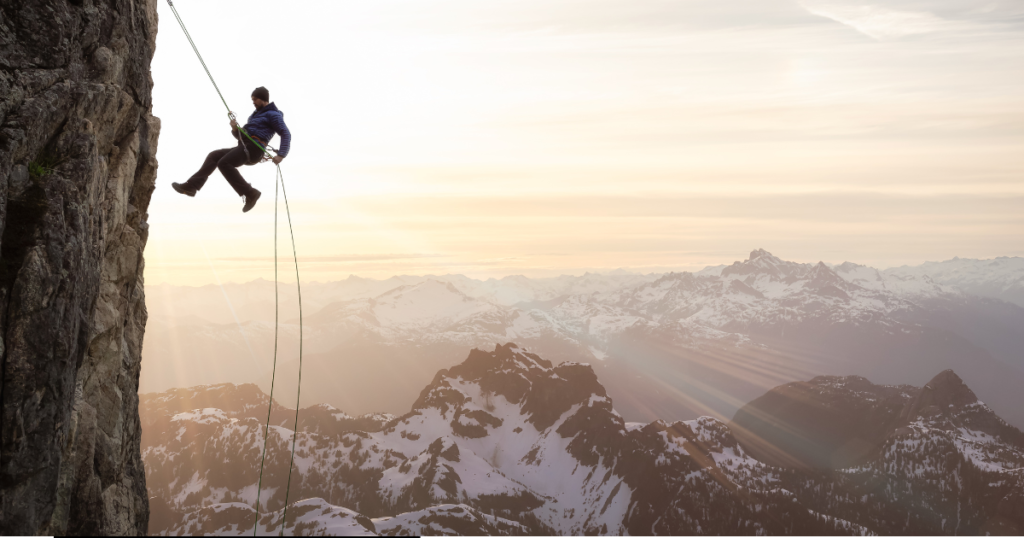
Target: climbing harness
x=278, y=185
x=263, y=158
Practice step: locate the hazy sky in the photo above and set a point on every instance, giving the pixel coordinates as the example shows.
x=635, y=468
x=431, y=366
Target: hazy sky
x=544, y=137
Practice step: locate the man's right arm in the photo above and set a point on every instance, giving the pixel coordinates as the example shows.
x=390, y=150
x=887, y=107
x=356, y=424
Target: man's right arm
x=286, y=135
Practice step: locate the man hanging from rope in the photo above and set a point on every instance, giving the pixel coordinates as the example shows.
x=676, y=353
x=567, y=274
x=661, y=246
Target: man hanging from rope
x=261, y=126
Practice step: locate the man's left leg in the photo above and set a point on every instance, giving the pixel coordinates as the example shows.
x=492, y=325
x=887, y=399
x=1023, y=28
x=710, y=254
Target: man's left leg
x=228, y=166
x=196, y=182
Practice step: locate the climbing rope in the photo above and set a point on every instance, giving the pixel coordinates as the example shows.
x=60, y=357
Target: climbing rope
x=222, y=100
x=200, y=56
x=273, y=376
x=298, y=390
x=278, y=185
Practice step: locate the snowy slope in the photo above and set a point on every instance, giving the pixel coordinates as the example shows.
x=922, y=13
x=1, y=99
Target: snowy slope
x=1000, y=278
x=507, y=443
x=310, y=517
x=763, y=290
x=759, y=322
x=760, y=291
x=316, y=517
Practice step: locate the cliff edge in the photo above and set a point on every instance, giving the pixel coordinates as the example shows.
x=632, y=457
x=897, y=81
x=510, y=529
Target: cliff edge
x=77, y=169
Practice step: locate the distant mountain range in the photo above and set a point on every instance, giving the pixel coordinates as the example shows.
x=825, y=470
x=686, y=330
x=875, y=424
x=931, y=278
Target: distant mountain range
x=1000, y=278
x=507, y=443
x=665, y=345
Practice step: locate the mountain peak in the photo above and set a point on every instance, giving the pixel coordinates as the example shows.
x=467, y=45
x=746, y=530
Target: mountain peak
x=824, y=280
x=763, y=262
x=818, y=269
x=849, y=266
x=951, y=389
x=426, y=303
x=508, y=357
x=944, y=395
x=543, y=392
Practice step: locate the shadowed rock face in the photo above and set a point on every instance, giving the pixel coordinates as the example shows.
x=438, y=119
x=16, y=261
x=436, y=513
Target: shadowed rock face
x=832, y=422
x=827, y=422
x=943, y=392
x=77, y=169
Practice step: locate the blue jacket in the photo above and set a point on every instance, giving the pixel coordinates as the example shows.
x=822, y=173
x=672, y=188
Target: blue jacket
x=265, y=122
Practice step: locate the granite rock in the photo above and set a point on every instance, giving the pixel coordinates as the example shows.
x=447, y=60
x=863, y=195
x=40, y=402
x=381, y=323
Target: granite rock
x=77, y=169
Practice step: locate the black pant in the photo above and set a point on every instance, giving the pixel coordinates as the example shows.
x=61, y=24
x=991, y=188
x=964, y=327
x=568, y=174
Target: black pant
x=228, y=160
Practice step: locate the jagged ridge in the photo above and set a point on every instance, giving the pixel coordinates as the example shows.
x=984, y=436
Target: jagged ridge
x=506, y=433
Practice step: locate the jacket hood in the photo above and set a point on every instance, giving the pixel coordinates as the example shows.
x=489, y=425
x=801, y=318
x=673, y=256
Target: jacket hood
x=269, y=107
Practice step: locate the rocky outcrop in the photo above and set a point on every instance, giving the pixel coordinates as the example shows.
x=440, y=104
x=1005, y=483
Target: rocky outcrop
x=833, y=422
x=829, y=422
x=77, y=169
x=508, y=443
x=944, y=392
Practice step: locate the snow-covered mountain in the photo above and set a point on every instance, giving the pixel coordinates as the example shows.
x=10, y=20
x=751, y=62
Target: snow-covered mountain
x=937, y=452
x=763, y=291
x=680, y=344
x=842, y=421
x=315, y=517
x=254, y=301
x=999, y=278
x=508, y=443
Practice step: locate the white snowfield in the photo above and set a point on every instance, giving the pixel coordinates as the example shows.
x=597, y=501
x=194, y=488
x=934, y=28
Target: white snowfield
x=310, y=517
x=446, y=520
x=512, y=458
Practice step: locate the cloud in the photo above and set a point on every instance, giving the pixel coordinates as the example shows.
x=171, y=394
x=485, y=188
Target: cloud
x=876, y=21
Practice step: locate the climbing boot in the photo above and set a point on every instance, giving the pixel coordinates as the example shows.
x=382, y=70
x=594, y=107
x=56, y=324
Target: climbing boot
x=183, y=188
x=250, y=200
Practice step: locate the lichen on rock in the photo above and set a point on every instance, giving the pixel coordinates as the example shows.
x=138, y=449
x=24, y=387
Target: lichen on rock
x=77, y=169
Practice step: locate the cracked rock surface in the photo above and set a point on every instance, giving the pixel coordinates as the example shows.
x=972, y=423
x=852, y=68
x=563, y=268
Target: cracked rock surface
x=77, y=169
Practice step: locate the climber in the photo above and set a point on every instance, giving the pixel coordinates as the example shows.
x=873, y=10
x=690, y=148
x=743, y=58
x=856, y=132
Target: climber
x=261, y=126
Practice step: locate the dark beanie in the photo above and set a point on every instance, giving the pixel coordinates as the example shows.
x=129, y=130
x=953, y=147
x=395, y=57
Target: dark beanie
x=261, y=93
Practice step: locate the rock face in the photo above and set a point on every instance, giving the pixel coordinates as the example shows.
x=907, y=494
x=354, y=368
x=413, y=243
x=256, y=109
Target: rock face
x=77, y=169
x=833, y=422
x=828, y=422
x=945, y=391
